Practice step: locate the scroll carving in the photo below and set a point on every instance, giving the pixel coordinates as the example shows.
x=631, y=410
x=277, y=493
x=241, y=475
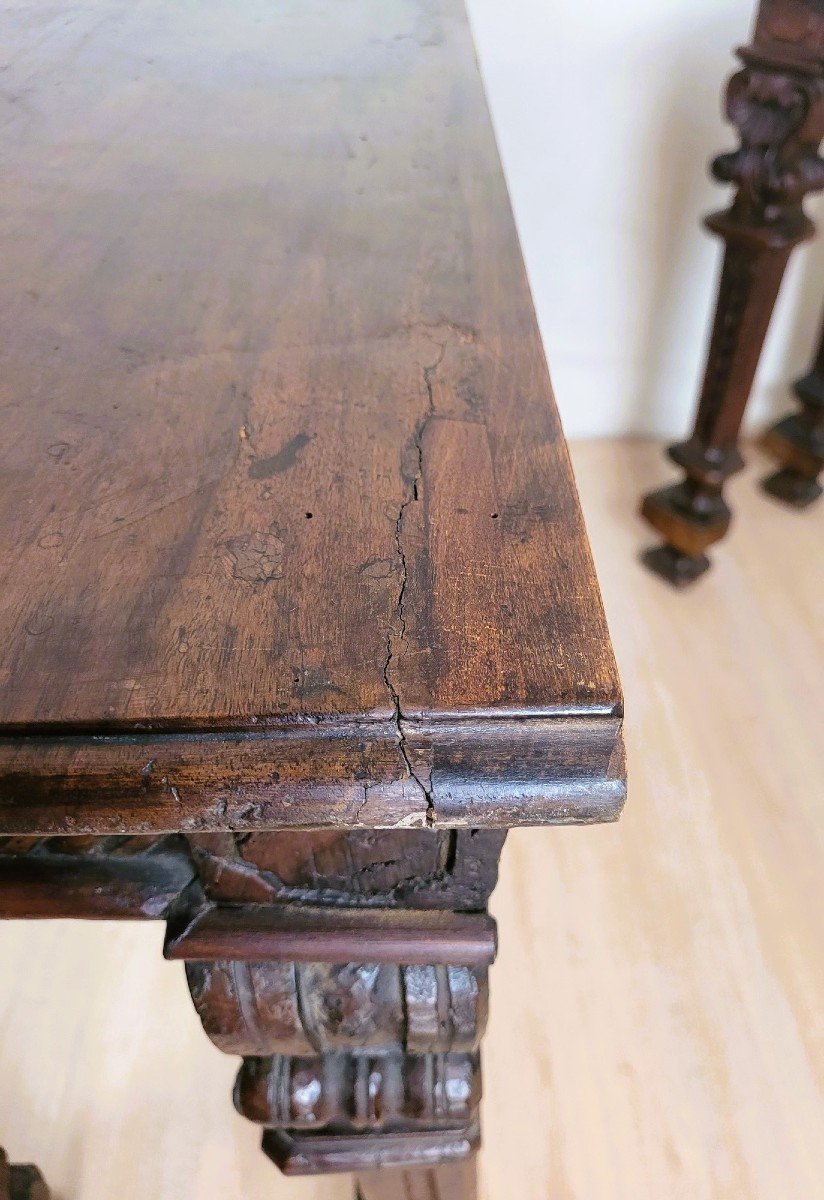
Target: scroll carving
x=306, y=1008
x=780, y=118
x=347, y=1064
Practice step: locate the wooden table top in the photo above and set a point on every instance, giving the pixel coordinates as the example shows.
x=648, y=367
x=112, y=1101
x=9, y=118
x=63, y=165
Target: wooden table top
x=280, y=460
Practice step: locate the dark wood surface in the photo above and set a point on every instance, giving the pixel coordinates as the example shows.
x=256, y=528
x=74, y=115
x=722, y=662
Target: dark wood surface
x=280, y=457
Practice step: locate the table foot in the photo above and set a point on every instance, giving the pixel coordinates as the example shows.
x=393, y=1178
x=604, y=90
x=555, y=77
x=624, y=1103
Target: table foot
x=793, y=489
x=678, y=569
x=21, y=1182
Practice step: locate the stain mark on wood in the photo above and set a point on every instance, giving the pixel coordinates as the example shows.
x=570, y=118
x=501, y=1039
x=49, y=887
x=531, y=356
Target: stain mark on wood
x=286, y=457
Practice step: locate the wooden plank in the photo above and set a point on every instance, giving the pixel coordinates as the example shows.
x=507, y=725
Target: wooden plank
x=278, y=439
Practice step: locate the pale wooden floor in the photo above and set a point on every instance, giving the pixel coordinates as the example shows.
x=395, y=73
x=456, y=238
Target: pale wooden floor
x=657, y=1026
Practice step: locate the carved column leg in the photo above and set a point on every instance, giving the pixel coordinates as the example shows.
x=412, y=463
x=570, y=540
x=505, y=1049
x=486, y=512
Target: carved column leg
x=349, y=971
x=21, y=1183
x=777, y=104
x=797, y=441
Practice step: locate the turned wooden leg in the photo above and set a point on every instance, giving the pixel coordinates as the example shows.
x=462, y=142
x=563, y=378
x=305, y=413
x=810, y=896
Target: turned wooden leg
x=797, y=441
x=349, y=971
x=456, y=1181
x=21, y=1182
x=777, y=104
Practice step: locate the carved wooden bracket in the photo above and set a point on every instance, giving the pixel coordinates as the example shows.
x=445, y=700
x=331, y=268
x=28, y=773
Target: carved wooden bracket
x=357, y=1047
x=347, y=969
x=257, y=1009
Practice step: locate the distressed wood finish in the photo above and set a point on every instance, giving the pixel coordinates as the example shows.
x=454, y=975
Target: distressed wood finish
x=474, y=771
x=299, y=612
x=93, y=878
x=359, y=1026
x=281, y=460
x=776, y=103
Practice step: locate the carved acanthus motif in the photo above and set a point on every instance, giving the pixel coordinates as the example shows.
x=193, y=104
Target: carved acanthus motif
x=345, y=1063
x=306, y=1008
x=780, y=117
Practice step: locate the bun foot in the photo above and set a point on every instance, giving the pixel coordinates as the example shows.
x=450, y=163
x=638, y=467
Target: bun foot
x=678, y=569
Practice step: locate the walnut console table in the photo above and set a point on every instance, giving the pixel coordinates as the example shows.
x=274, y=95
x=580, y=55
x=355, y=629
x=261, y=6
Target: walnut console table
x=299, y=615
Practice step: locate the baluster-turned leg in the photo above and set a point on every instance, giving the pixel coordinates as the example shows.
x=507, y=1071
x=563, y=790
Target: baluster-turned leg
x=21, y=1182
x=777, y=104
x=349, y=971
x=797, y=441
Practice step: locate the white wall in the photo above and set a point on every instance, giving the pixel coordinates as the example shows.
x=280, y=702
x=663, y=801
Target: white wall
x=606, y=116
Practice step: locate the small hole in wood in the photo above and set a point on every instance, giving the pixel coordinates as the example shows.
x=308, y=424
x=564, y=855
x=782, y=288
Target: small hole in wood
x=308, y=516
x=494, y=516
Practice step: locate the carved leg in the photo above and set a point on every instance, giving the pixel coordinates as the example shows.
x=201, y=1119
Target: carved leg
x=777, y=104
x=348, y=970
x=457, y=1181
x=21, y=1183
x=798, y=441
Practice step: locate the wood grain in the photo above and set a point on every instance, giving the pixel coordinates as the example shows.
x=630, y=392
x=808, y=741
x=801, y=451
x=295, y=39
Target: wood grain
x=260, y=933
x=656, y=1006
x=521, y=770
x=278, y=435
